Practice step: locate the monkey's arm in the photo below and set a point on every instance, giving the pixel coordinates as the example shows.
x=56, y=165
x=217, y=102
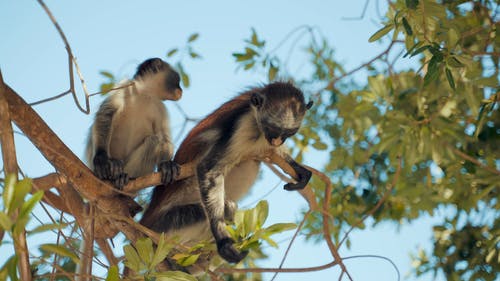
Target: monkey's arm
x=169, y=169
x=300, y=174
x=211, y=183
x=104, y=167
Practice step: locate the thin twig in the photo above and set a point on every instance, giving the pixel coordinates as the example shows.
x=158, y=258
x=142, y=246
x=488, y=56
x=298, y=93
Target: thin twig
x=282, y=270
x=474, y=161
x=71, y=62
x=360, y=17
x=299, y=228
x=377, y=257
x=334, y=80
x=379, y=203
x=326, y=227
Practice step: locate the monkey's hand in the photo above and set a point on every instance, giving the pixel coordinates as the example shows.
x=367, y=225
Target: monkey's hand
x=228, y=252
x=303, y=174
x=110, y=169
x=169, y=171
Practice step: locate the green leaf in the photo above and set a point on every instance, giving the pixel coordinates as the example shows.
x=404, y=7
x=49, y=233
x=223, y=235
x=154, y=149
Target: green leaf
x=487, y=81
x=5, y=222
x=174, y=276
x=453, y=37
x=61, y=251
x=242, y=57
x=24, y=214
x=417, y=45
x=193, y=37
x=320, y=145
x=194, y=55
x=186, y=259
x=132, y=259
x=113, y=274
x=144, y=247
x=262, y=212
x=272, y=73
x=21, y=189
x=249, y=65
x=8, y=192
x=10, y=268
x=106, y=87
x=162, y=251
x=411, y=4
x=381, y=32
x=490, y=255
x=449, y=76
x=271, y=242
x=107, y=74
x=419, y=50
x=453, y=62
x=46, y=227
x=407, y=27
x=172, y=52
x=184, y=75
x=279, y=227
x=249, y=221
x=432, y=71
x=480, y=120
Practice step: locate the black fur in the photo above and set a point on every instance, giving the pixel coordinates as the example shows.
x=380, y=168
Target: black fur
x=178, y=217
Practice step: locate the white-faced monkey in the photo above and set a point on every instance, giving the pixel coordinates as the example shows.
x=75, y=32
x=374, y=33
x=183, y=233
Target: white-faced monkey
x=131, y=131
x=224, y=146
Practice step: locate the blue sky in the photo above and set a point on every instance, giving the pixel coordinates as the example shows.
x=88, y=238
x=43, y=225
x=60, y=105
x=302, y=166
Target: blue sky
x=117, y=35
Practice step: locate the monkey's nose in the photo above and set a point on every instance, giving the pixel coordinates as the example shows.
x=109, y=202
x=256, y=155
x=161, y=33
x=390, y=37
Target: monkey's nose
x=276, y=141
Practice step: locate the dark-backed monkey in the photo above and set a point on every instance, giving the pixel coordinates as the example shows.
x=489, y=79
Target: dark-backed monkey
x=224, y=146
x=131, y=133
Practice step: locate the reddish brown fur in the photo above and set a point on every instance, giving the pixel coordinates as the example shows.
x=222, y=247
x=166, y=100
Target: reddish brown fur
x=191, y=147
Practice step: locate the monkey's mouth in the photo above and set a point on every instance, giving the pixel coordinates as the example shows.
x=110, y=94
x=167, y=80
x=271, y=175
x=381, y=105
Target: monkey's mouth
x=275, y=141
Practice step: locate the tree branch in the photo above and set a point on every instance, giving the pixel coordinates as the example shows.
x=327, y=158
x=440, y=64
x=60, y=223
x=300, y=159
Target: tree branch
x=11, y=168
x=71, y=61
x=474, y=161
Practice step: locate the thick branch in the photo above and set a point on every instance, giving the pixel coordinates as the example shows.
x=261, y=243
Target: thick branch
x=68, y=165
x=6, y=134
x=54, y=150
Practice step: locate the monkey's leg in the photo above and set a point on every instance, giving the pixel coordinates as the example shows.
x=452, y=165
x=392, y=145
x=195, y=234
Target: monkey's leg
x=178, y=217
x=107, y=168
x=144, y=158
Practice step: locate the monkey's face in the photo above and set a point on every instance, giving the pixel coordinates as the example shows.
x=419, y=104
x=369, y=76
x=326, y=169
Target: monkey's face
x=279, y=109
x=173, y=85
x=279, y=120
x=275, y=134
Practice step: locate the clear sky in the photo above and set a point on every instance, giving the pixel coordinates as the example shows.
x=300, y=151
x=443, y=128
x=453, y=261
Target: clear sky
x=117, y=35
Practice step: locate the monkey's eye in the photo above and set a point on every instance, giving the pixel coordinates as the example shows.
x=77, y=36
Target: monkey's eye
x=272, y=131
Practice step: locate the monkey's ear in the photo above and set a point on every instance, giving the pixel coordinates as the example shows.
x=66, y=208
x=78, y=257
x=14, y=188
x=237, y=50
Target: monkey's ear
x=309, y=104
x=257, y=100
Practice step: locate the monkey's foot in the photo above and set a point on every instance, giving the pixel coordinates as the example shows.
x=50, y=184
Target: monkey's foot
x=169, y=171
x=228, y=252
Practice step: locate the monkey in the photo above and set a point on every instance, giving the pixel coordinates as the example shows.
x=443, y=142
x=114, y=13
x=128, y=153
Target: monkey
x=130, y=135
x=224, y=146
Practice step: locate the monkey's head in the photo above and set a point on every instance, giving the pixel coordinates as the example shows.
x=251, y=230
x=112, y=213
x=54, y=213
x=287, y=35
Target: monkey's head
x=160, y=77
x=279, y=109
